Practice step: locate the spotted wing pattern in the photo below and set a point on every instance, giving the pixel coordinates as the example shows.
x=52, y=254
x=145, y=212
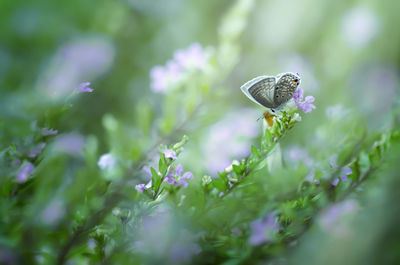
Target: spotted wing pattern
x=284, y=89
x=261, y=90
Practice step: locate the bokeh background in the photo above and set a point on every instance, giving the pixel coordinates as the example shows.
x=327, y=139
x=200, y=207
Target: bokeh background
x=346, y=52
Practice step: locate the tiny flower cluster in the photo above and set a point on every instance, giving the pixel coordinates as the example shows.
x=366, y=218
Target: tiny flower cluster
x=305, y=105
x=162, y=77
x=177, y=178
x=175, y=175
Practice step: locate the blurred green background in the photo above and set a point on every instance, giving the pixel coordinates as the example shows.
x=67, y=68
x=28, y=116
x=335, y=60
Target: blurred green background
x=346, y=52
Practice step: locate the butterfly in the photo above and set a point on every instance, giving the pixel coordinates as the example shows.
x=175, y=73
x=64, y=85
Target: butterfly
x=272, y=91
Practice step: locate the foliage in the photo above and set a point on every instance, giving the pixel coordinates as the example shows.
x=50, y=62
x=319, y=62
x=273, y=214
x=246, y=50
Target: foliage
x=108, y=172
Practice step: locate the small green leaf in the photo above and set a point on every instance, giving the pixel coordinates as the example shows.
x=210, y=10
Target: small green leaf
x=155, y=179
x=162, y=165
x=254, y=151
x=219, y=184
x=237, y=169
x=363, y=163
x=266, y=140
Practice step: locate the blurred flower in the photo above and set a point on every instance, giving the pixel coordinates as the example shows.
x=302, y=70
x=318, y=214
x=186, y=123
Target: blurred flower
x=25, y=172
x=36, y=150
x=71, y=143
x=53, y=212
x=332, y=219
x=84, y=87
x=75, y=61
x=345, y=171
x=306, y=105
x=336, y=112
x=170, y=154
x=192, y=57
x=230, y=138
x=141, y=187
x=310, y=177
x=359, y=26
x=182, y=252
x=375, y=88
x=177, y=178
x=107, y=161
x=165, y=77
x=296, y=154
x=48, y=132
x=263, y=231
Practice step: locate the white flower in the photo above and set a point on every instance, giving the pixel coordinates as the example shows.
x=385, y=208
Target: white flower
x=107, y=161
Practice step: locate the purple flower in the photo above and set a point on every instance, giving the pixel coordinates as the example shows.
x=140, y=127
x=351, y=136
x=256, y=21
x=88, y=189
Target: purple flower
x=237, y=128
x=335, y=182
x=70, y=143
x=263, y=231
x=306, y=105
x=182, y=252
x=84, y=87
x=170, y=154
x=53, y=212
x=48, y=132
x=343, y=173
x=36, y=150
x=25, y=172
x=331, y=219
x=141, y=187
x=177, y=178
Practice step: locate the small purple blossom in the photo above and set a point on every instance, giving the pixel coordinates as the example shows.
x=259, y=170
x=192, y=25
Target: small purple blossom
x=25, y=172
x=53, y=212
x=71, y=143
x=177, y=178
x=141, y=187
x=36, y=150
x=264, y=230
x=84, y=87
x=48, y=132
x=346, y=171
x=305, y=105
x=335, y=182
x=169, y=153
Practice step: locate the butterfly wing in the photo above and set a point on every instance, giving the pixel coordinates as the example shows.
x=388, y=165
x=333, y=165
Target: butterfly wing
x=261, y=90
x=285, y=88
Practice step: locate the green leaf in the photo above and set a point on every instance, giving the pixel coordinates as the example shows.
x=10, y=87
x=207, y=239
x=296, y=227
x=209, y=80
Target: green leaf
x=363, y=163
x=237, y=169
x=266, y=140
x=155, y=179
x=254, y=151
x=219, y=184
x=162, y=165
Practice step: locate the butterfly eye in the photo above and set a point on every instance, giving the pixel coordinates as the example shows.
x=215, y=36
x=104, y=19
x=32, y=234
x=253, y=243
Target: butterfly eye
x=295, y=82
